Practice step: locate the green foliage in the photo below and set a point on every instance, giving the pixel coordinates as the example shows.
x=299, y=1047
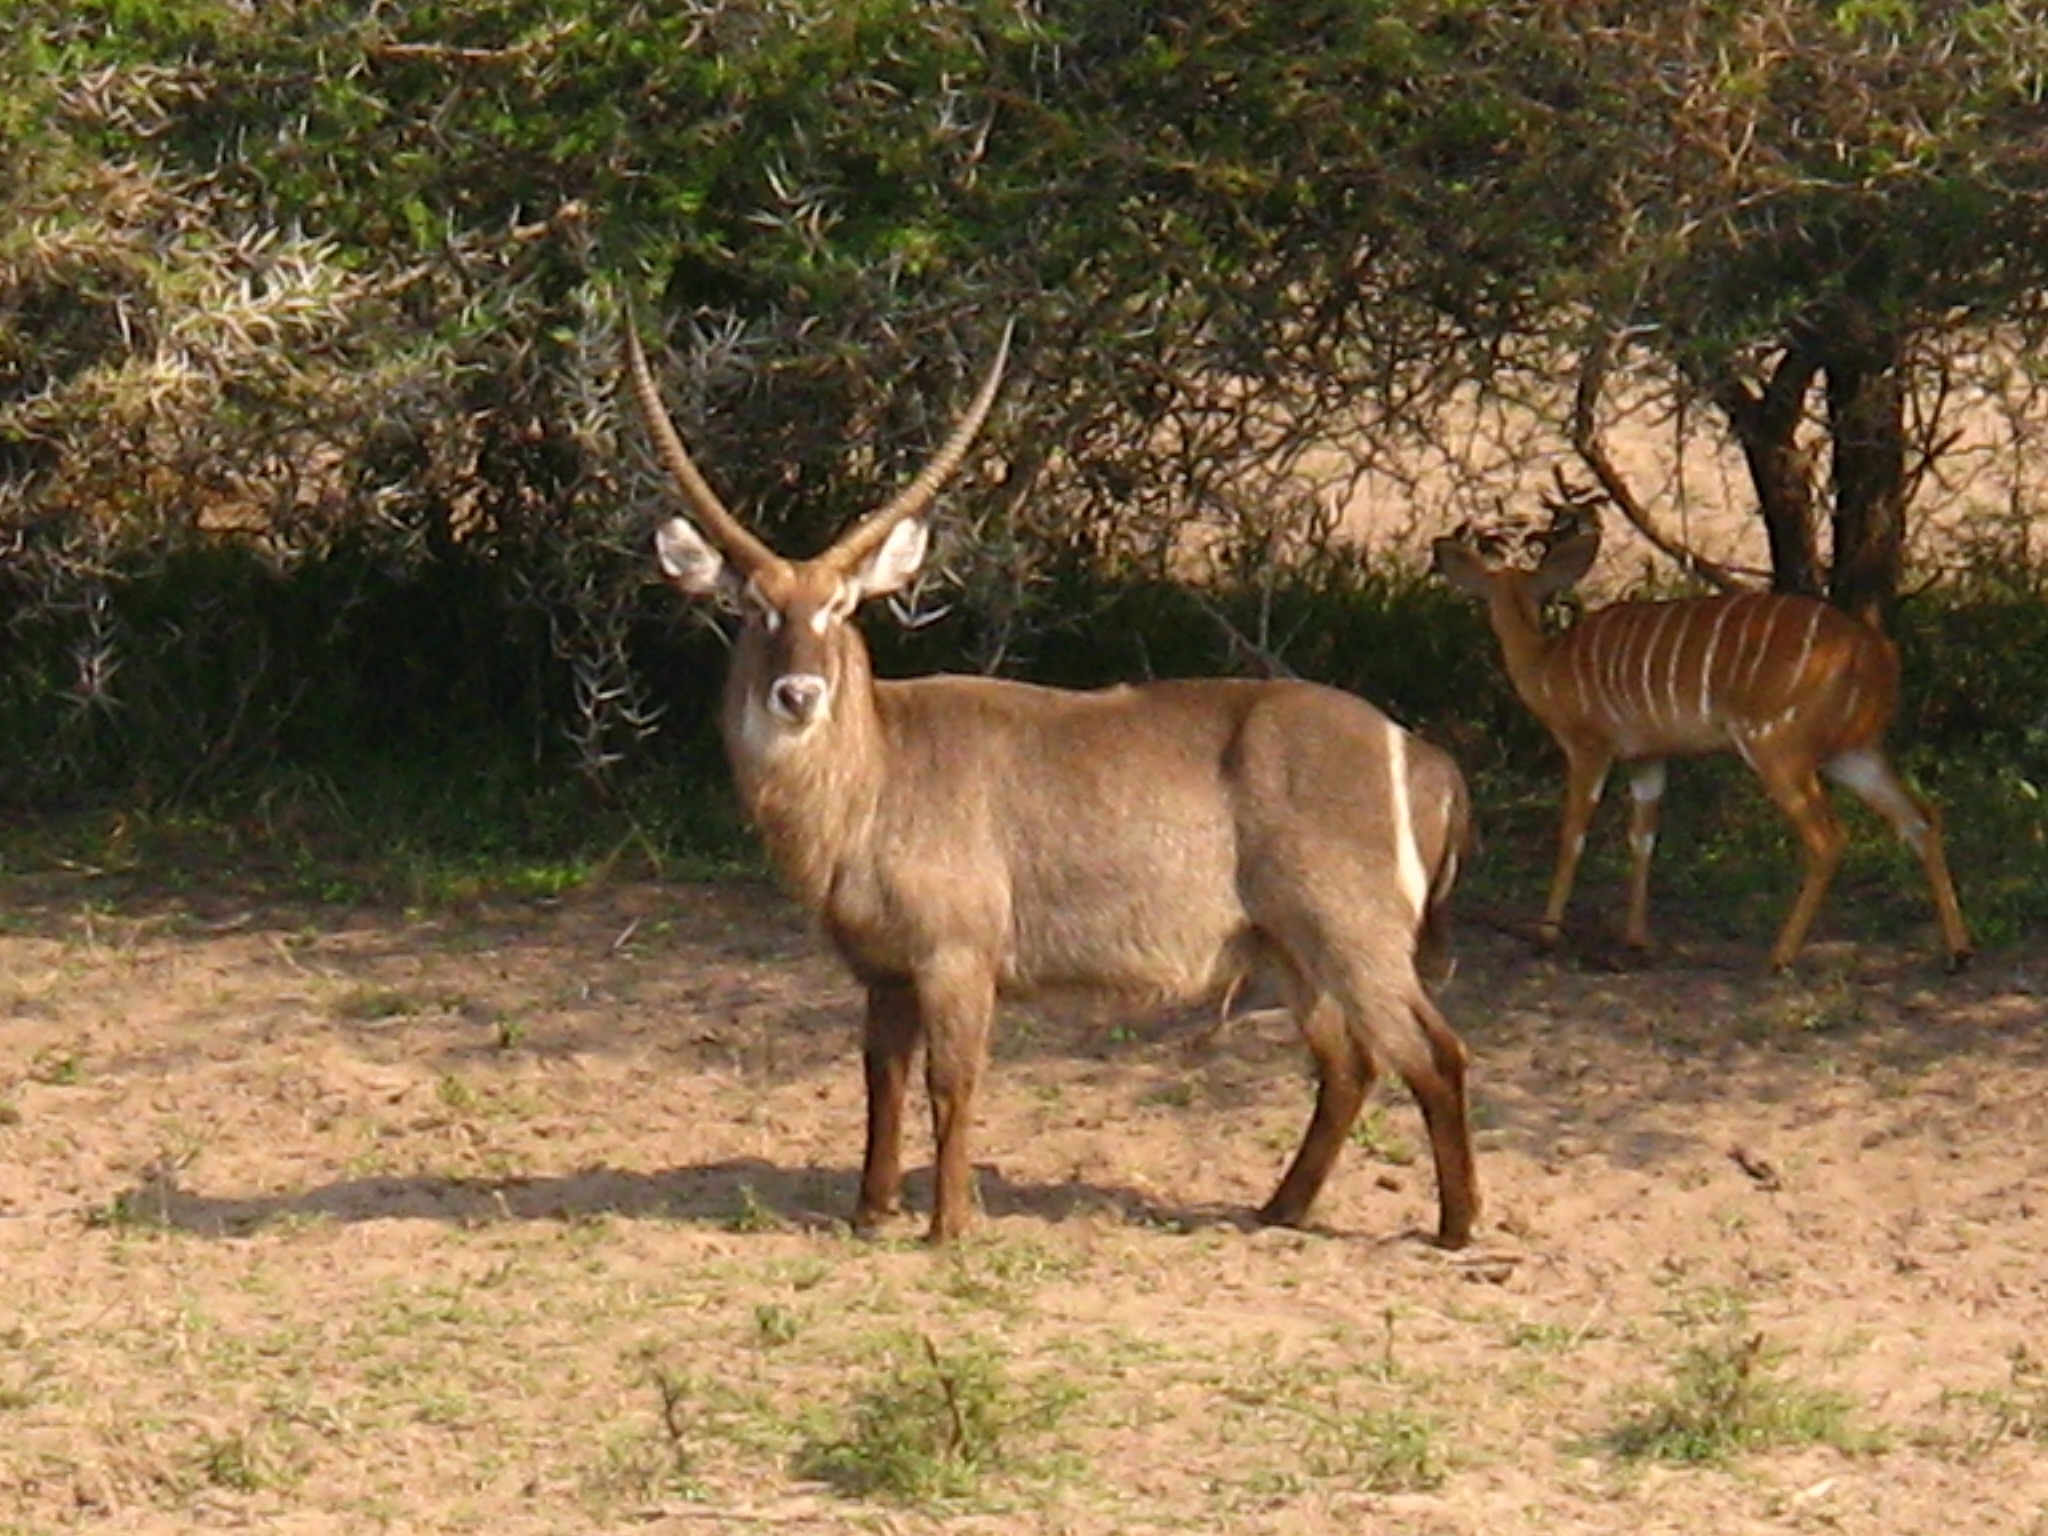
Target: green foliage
x=1386, y=1450
x=1375, y=1136
x=2016, y=1410
x=326, y=531
x=775, y=1325
x=933, y=1429
x=1725, y=1399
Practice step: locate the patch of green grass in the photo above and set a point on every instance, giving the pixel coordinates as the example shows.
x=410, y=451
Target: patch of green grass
x=1544, y=1338
x=804, y=1272
x=381, y=1004
x=1795, y=1006
x=508, y=1033
x=1373, y=1133
x=1266, y=1485
x=1343, y=1417
x=248, y=1460
x=934, y=1428
x=57, y=1068
x=1179, y=1094
x=2015, y=1412
x=457, y=1094
x=705, y=1429
x=406, y=828
x=1726, y=1398
x=1696, y=1306
x=641, y=1463
x=997, y=1272
x=754, y=1214
x=1380, y=1450
x=775, y=1324
x=145, y=1208
x=22, y=1373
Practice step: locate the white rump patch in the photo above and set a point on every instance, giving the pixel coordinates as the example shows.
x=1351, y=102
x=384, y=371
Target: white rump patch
x=1407, y=854
x=1862, y=771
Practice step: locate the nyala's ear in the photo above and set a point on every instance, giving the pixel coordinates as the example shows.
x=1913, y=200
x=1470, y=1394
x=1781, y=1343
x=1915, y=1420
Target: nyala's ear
x=896, y=560
x=1458, y=565
x=690, y=561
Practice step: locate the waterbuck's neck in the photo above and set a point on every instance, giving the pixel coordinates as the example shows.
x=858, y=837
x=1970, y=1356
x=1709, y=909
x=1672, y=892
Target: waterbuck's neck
x=810, y=794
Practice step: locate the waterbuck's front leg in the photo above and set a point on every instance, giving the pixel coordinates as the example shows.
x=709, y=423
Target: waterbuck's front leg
x=956, y=996
x=889, y=1041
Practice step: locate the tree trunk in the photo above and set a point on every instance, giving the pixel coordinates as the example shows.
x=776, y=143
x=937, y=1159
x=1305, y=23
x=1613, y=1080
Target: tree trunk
x=1867, y=419
x=1766, y=424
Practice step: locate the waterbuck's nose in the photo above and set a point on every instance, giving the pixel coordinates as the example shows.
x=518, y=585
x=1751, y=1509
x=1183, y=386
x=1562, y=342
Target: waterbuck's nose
x=797, y=698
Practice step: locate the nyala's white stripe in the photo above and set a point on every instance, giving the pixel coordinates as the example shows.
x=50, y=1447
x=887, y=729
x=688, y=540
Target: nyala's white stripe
x=1653, y=650
x=1707, y=662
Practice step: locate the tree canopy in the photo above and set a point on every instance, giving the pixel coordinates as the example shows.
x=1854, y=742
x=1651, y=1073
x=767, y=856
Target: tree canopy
x=318, y=275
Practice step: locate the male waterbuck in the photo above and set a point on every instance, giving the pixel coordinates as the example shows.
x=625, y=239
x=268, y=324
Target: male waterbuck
x=961, y=838
x=1796, y=687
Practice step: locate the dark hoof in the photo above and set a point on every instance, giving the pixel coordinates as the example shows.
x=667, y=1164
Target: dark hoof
x=868, y=1221
x=1273, y=1214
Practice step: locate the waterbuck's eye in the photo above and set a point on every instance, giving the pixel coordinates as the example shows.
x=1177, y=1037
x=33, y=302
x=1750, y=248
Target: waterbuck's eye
x=767, y=613
x=836, y=610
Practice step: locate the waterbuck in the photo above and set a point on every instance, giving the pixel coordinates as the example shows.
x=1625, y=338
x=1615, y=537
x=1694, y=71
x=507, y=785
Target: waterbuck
x=1798, y=689
x=964, y=838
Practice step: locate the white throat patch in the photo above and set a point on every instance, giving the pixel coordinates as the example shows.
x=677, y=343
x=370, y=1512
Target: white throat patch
x=764, y=732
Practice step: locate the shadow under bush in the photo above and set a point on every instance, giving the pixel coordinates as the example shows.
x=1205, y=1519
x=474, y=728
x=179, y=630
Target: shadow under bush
x=355, y=725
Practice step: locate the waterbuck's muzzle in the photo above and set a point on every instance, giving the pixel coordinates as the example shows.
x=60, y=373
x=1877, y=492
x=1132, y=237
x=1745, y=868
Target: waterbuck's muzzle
x=797, y=698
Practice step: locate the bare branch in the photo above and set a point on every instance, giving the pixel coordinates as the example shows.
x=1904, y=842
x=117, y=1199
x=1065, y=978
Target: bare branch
x=1592, y=450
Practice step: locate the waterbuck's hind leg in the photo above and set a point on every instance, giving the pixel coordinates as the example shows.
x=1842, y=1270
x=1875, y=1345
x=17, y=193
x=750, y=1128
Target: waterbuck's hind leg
x=1344, y=1076
x=889, y=1042
x=1439, y=1087
x=1390, y=1021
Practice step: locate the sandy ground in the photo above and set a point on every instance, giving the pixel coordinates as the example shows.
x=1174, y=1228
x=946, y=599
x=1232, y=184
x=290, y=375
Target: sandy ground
x=529, y=1220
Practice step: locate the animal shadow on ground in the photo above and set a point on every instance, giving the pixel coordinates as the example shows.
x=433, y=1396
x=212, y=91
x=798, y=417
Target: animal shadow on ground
x=742, y=1194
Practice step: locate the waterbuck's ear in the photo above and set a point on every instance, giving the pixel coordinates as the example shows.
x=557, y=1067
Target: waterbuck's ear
x=1458, y=565
x=895, y=560
x=690, y=561
x=1565, y=564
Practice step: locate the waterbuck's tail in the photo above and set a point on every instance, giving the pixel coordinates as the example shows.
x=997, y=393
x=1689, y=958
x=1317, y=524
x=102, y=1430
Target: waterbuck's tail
x=1433, y=960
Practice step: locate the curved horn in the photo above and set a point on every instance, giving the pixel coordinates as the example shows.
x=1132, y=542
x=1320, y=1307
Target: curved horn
x=723, y=529
x=859, y=541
